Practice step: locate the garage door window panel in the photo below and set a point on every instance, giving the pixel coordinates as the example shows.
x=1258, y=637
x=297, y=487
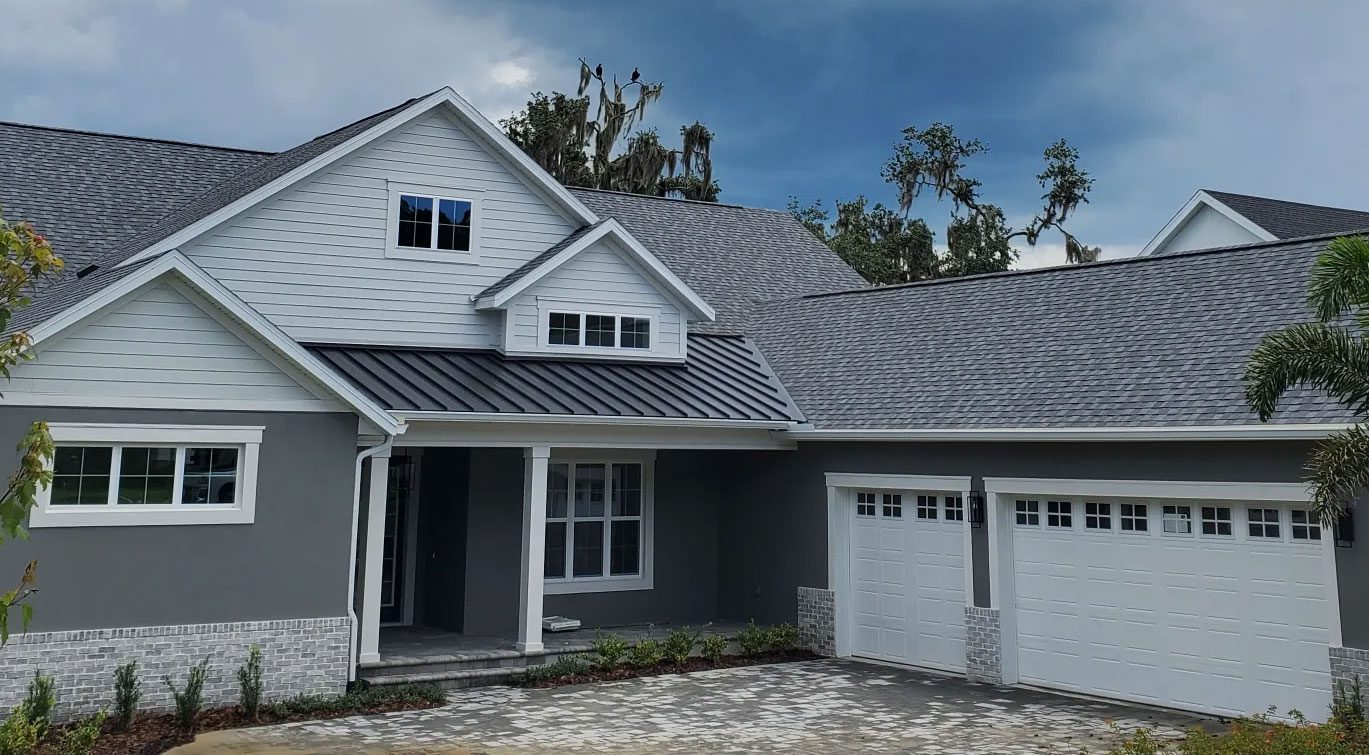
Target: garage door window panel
x=1305, y=526
x=955, y=508
x=1134, y=517
x=1097, y=516
x=1060, y=514
x=926, y=507
x=893, y=506
x=1216, y=521
x=1263, y=523
x=865, y=503
x=1029, y=513
x=1177, y=520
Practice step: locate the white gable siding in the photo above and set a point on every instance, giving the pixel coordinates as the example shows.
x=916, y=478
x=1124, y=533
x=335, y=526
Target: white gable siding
x=600, y=280
x=158, y=346
x=313, y=261
x=1207, y=228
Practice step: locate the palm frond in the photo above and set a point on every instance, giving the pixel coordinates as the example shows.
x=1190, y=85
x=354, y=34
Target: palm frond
x=1340, y=278
x=1338, y=470
x=1328, y=357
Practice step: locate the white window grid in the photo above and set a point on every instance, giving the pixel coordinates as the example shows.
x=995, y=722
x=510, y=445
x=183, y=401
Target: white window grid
x=1264, y=523
x=1028, y=513
x=177, y=483
x=1215, y=521
x=1176, y=520
x=893, y=506
x=615, y=332
x=1304, y=525
x=866, y=503
x=926, y=507
x=1133, y=517
x=955, y=508
x=1097, y=516
x=1060, y=514
x=606, y=519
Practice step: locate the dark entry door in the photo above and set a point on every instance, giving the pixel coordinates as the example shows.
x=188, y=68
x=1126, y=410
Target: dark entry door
x=393, y=590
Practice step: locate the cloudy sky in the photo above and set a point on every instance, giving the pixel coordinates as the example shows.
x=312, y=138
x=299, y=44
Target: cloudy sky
x=806, y=96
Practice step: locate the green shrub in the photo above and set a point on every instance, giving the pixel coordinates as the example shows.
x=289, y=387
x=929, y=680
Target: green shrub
x=191, y=699
x=713, y=647
x=609, y=650
x=127, y=693
x=753, y=640
x=1347, y=703
x=1256, y=736
x=80, y=738
x=249, y=683
x=782, y=638
x=568, y=665
x=678, y=645
x=645, y=654
x=39, y=701
x=19, y=735
x=358, y=700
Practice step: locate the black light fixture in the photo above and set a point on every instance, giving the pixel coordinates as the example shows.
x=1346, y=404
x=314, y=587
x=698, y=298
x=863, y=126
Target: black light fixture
x=1345, y=529
x=976, y=509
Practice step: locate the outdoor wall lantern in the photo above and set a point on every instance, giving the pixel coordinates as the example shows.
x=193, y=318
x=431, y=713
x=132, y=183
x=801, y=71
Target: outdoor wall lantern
x=1345, y=529
x=976, y=509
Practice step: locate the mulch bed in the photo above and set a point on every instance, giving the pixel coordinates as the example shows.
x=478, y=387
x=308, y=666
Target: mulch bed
x=618, y=673
x=152, y=733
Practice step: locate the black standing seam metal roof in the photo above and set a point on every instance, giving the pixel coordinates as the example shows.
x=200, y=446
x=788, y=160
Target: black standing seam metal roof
x=724, y=378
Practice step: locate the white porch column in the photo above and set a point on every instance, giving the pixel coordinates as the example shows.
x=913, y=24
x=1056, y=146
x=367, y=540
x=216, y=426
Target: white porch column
x=534, y=538
x=375, y=551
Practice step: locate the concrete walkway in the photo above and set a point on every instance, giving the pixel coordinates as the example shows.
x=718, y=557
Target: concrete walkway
x=827, y=706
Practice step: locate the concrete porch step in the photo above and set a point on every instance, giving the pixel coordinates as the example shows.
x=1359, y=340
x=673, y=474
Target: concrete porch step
x=457, y=671
x=448, y=680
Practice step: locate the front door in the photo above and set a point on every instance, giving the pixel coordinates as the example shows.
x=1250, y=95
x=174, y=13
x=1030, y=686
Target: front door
x=394, y=590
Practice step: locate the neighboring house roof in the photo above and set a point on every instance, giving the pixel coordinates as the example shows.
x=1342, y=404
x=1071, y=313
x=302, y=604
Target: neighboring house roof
x=1134, y=342
x=725, y=378
x=88, y=192
x=1289, y=220
x=733, y=256
x=545, y=263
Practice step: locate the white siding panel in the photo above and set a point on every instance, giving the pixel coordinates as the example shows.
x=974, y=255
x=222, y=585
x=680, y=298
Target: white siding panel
x=313, y=259
x=1208, y=229
x=157, y=344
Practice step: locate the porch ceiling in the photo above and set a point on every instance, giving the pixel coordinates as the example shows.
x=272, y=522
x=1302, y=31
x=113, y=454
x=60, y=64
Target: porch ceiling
x=725, y=378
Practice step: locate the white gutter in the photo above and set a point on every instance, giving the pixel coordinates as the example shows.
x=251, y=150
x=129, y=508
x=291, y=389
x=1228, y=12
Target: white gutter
x=1192, y=432
x=365, y=454
x=578, y=419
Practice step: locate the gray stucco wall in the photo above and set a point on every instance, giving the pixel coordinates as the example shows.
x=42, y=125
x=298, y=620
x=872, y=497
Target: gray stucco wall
x=291, y=563
x=774, y=538
x=688, y=496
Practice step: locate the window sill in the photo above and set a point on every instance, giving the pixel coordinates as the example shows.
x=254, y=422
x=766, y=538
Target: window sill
x=140, y=516
x=576, y=586
x=432, y=255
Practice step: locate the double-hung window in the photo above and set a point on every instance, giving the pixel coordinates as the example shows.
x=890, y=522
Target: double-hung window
x=598, y=535
x=433, y=225
x=109, y=475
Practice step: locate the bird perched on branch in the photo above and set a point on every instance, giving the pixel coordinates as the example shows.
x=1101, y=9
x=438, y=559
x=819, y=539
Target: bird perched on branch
x=636, y=75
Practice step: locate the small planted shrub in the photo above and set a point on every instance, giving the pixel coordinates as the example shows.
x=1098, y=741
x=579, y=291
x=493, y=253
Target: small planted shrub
x=753, y=640
x=609, y=650
x=39, y=701
x=1347, y=703
x=645, y=654
x=1258, y=735
x=249, y=683
x=570, y=665
x=782, y=638
x=356, y=701
x=19, y=735
x=80, y=738
x=190, y=699
x=127, y=693
x=678, y=645
x=713, y=647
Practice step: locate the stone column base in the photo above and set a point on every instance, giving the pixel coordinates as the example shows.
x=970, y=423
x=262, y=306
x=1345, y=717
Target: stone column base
x=299, y=656
x=817, y=620
x=983, y=645
x=1347, y=665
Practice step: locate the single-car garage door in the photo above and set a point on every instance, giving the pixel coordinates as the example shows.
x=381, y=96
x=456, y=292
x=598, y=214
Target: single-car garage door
x=908, y=577
x=1212, y=606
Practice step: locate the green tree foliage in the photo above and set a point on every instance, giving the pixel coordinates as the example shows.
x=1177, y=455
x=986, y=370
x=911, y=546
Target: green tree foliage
x=883, y=245
x=977, y=243
x=1331, y=355
x=28, y=257
x=559, y=134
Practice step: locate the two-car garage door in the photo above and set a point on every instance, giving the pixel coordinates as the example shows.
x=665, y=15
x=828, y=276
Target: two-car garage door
x=1214, y=606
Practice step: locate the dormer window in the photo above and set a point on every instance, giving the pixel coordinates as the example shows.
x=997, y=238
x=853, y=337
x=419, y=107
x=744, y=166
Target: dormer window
x=431, y=225
x=598, y=331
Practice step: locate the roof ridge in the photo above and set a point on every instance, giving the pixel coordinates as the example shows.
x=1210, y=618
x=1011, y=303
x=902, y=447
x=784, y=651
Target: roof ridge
x=680, y=200
x=130, y=137
x=1134, y=259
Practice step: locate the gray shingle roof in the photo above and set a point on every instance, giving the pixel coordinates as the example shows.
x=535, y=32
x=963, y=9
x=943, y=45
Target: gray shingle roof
x=536, y=262
x=734, y=257
x=1289, y=220
x=725, y=378
x=87, y=192
x=1148, y=341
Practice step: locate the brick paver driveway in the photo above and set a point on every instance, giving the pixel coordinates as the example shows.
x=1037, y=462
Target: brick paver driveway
x=827, y=706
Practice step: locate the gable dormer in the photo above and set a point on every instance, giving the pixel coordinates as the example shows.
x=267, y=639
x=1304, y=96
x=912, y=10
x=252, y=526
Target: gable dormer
x=597, y=294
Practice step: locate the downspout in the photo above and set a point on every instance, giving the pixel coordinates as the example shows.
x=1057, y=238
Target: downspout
x=365, y=454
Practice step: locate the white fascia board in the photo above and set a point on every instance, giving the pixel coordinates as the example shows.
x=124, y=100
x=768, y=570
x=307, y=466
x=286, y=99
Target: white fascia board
x=897, y=481
x=1289, y=492
x=443, y=97
x=176, y=263
x=1199, y=200
x=581, y=419
x=674, y=286
x=1176, y=433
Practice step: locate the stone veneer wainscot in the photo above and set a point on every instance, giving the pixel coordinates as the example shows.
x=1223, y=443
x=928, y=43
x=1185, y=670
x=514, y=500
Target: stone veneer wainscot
x=817, y=620
x=983, y=645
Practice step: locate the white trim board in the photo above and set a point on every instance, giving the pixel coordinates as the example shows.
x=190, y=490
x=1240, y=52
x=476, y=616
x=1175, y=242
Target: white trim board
x=1197, y=202
x=201, y=283
x=897, y=481
x=570, y=434
x=1046, y=434
x=1291, y=492
x=467, y=114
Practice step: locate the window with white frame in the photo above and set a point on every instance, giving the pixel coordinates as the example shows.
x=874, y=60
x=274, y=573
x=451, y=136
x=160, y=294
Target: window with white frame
x=1029, y=513
x=105, y=475
x=601, y=331
x=1060, y=514
x=432, y=224
x=1264, y=523
x=865, y=503
x=598, y=525
x=955, y=508
x=1097, y=516
x=1304, y=525
x=893, y=506
x=1216, y=520
x=1176, y=520
x=926, y=507
x=1134, y=517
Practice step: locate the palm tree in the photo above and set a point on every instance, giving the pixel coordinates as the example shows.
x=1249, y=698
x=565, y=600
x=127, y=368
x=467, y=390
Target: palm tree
x=1332, y=355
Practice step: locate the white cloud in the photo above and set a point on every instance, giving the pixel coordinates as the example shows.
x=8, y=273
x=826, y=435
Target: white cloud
x=58, y=34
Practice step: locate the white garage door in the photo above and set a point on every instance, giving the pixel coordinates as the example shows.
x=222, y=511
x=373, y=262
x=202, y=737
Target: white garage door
x=908, y=578
x=1206, y=606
